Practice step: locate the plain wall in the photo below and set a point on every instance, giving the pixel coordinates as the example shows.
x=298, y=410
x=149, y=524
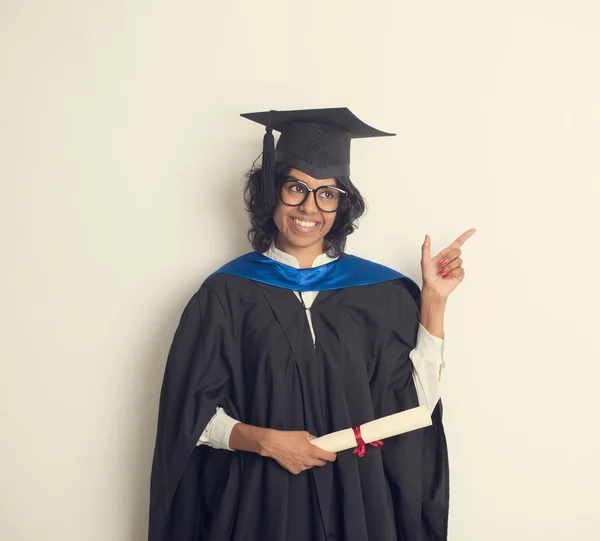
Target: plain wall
x=122, y=157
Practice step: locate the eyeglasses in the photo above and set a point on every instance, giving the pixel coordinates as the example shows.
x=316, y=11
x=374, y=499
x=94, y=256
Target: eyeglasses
x=295, y=192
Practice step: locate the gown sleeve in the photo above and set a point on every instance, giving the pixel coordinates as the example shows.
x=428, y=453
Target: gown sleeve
x=416, y=463
x=200, y=375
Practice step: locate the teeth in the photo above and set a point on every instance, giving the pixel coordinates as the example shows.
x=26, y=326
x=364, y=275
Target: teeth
x=304, y=224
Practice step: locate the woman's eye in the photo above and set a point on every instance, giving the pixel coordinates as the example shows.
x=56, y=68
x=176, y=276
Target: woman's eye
x=327, y=195
x=297, y=188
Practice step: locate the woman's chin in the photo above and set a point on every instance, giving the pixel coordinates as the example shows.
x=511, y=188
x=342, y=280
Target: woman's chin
x=303, y=241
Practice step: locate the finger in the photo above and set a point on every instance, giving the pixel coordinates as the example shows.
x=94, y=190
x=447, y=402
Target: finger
x=457, y=274
x=455, y=264
x=317, y=462
x=457, y=243
x=426, y=248
x=447, y=255
x=463, y=238
x=294, y=469
x=309, y=436
x=324, y=455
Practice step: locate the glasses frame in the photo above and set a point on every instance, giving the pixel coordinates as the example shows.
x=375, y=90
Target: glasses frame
x=308, y=192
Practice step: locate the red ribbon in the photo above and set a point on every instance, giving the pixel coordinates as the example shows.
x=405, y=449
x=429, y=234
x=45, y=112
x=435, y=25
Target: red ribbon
x=361, y=446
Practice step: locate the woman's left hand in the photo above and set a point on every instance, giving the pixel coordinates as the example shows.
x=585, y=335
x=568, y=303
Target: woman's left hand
x=443, y=273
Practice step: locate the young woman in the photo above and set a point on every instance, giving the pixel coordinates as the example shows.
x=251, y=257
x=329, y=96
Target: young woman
x=296, y=340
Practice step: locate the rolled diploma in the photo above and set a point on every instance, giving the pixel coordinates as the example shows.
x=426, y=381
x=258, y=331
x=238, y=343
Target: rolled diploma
x=379, y=429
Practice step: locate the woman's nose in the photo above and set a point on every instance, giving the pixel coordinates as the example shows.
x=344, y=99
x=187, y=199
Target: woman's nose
x=310, y=204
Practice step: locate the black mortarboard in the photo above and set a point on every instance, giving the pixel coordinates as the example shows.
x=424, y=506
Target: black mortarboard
x=314, y=141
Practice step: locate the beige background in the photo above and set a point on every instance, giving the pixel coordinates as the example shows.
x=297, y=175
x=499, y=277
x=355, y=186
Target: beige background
x=121, y=159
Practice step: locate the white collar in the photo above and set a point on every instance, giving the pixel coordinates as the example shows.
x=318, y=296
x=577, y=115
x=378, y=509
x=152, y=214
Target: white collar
x=283, y=257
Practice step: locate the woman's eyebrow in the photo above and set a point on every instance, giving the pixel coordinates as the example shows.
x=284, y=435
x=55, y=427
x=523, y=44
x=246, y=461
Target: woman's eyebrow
x=292, y=177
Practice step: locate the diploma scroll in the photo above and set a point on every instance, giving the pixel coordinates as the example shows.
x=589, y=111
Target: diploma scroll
x=379, y=429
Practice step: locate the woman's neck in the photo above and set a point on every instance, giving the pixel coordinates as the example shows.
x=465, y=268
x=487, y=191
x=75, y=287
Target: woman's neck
x=304, y=255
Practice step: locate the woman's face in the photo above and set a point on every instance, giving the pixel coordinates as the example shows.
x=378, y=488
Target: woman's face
x=304, y=226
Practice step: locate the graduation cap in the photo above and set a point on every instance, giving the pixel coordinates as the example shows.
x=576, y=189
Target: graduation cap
x=314, y=141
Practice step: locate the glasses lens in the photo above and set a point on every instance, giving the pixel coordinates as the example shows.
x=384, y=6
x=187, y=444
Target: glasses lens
x=293, y=193
x=328, y=199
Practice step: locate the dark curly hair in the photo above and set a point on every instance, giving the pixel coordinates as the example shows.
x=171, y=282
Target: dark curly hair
x=263, y=230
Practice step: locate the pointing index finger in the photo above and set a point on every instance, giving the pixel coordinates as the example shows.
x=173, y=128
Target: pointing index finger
x=462, y=239
x=455, y=245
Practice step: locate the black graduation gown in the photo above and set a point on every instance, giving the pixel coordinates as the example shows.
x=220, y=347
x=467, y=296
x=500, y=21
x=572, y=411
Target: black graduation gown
x=246, y=346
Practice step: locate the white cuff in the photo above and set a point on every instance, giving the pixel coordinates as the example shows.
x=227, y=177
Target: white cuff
x=431, y=347
x=218, y=430
x=428, y=361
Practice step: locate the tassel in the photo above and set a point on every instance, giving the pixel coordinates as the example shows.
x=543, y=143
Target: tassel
x=268, y=170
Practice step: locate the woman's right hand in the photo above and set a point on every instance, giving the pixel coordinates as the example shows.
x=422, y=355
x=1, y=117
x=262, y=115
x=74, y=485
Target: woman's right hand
x=292, y=450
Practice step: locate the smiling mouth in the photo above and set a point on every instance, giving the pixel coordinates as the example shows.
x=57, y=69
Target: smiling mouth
x=305, y=224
